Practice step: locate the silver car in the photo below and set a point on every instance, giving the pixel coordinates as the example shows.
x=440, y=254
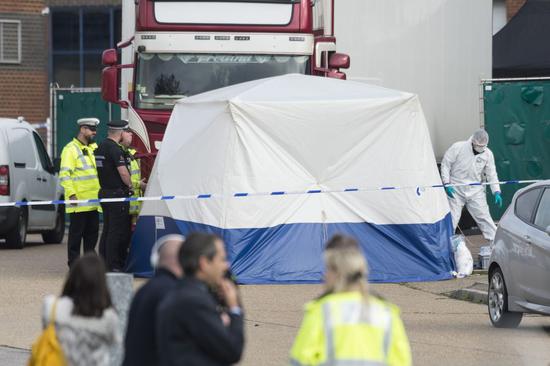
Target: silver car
x=27, y=174
x=519, y=269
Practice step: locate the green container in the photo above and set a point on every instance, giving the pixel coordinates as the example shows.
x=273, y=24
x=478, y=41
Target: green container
x=517, y=118
x=72, y=104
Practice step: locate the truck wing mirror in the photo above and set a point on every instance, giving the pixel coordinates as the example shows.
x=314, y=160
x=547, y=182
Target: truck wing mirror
x=109, y=57
x=109, y=84
x=338, y=61
x=336, y=75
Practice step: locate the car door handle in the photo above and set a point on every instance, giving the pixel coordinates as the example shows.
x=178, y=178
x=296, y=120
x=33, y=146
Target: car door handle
x=527, y=238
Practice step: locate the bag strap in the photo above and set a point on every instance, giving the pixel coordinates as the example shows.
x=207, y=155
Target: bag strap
x=52, y=313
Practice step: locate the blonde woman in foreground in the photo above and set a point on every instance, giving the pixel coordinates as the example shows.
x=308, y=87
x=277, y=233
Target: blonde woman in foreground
x=346, y=325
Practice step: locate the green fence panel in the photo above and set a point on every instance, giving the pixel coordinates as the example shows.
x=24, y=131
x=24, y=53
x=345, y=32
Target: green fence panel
x=71, y=105
x=517, y=118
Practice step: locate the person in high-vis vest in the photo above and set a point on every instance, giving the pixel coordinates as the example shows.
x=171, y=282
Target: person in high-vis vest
x=78, y=176
x=346, y=325
x=138, y=184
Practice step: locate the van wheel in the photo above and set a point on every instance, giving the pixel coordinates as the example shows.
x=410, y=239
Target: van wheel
x=498, y=302
x=56, y=235
x=17, y=236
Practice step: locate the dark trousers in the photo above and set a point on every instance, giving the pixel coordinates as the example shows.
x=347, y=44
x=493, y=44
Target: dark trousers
x=83, y=225
x=115, y=238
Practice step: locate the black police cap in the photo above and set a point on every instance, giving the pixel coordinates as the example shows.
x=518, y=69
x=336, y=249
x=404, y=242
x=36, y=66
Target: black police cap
x=119, y=124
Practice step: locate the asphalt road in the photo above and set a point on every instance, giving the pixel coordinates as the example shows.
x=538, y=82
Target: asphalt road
x=442, y=331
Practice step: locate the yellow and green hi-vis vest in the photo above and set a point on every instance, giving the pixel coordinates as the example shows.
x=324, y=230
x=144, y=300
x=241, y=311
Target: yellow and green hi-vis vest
x=344, y=329
x=78, y=175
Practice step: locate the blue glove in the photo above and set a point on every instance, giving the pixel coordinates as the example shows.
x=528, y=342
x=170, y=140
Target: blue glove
x=498, y=199
x=450, y=192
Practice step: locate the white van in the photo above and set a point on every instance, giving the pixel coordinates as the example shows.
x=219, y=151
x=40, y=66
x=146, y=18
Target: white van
x=27, y=174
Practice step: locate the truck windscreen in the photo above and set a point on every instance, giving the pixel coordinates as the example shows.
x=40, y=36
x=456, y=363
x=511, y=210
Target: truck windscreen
x=163, y=78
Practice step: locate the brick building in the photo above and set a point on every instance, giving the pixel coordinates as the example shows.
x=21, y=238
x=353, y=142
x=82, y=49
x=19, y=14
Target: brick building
x=512, y=7
x=23, y=59
x=51, y=41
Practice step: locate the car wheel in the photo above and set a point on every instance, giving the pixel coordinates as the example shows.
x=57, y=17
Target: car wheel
x=56, y=235
x=17, y=236
x=498, y=302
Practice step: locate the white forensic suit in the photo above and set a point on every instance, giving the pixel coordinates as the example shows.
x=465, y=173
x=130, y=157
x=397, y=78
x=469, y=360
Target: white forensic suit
x=461, y=165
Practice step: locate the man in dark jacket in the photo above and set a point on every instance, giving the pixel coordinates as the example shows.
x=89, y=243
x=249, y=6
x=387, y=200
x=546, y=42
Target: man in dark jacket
x=140, y=343
x=191, y=329
x=115, y=182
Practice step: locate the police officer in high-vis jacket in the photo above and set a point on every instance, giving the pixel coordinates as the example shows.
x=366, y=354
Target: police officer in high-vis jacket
x=78, y=176
x=115, y=182
x=347, y=325
x=132, y=162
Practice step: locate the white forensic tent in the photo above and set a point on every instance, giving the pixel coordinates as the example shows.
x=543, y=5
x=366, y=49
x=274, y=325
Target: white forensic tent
x=297, y=133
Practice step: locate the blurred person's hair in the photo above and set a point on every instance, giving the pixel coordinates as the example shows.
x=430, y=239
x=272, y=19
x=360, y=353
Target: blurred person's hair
x=345, y=259
x=195, y=246
x=86, y=285
x=157, y=250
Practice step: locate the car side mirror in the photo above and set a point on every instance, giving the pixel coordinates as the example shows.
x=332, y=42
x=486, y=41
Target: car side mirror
x=56, y=165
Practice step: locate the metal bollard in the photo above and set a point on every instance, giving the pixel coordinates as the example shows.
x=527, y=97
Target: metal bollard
x=121, y=289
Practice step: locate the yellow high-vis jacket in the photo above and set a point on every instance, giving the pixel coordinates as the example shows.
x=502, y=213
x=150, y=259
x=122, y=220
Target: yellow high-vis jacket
x=135, y=176
x=345, y=329
x=78, y=175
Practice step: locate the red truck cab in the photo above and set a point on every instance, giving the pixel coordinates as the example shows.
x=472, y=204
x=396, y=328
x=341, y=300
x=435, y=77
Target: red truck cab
x=185, y=47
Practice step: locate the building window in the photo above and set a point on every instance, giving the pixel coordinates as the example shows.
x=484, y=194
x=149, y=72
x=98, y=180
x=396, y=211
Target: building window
x=79, y=37
x=10, y=41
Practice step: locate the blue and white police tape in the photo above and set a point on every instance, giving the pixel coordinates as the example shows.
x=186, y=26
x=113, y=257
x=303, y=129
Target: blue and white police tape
x=417, y=189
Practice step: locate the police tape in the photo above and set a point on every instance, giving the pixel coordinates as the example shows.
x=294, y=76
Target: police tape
x=418, y=189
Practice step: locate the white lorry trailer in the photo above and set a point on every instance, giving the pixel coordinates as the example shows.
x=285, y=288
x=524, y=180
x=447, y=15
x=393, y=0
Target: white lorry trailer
x=438, y=49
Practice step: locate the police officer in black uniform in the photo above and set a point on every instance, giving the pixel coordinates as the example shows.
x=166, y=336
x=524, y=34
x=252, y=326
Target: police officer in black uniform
x=115, y=182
